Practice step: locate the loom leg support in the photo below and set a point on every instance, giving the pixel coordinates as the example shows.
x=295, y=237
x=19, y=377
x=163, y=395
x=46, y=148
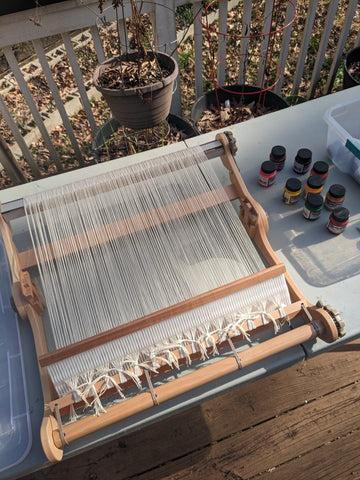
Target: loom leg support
x=48, y=427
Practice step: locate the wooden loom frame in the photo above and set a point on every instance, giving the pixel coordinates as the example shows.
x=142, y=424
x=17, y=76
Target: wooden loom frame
x=320, y=321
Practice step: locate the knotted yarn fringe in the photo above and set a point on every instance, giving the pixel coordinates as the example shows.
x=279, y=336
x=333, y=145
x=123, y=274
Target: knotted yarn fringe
x=132, y=368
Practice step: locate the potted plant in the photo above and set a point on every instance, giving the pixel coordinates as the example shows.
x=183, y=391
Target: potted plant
x=352, y=68
x=137, y=85
x=233, y=104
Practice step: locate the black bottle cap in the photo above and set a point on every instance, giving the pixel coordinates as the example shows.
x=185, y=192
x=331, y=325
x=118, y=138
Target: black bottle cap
x=268, y=166
x=315, y=200
x=341, y=214
x=337, y=190
x=314, y=181
x=278, y=151
x=293, y=184
x=320, y=167
x=304, y=155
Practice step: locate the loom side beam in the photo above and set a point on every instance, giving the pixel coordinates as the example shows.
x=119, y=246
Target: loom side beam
x=179, y=386
x=252, y=215
x=161, y=315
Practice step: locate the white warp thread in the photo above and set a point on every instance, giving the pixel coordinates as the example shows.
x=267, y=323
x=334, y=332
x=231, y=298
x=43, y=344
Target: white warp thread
x=113, y=276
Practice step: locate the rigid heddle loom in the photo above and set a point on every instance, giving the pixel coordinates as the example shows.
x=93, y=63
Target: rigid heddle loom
x=142, y=271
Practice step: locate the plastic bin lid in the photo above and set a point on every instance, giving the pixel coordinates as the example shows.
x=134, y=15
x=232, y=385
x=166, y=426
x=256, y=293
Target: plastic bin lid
x=15, y=430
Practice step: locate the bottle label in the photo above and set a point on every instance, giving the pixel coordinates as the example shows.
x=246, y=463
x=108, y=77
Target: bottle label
x=300, y=167
x=290, y=199
x=335, y=228
x=310, y=215
x=266, y=181
x=332, y=205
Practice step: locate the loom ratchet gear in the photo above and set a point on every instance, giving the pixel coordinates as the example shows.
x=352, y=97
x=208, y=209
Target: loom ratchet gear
x=143, y=271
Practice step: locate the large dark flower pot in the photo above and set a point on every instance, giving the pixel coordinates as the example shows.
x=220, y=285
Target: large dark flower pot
x=109, y=128
x=247, y=92
x=352, y=57
x=141, y=107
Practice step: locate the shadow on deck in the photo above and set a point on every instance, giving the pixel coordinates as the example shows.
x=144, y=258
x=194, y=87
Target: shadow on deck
x=303, y=423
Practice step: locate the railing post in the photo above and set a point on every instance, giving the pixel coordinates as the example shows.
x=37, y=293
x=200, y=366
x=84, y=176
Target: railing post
x=40, y=52
x=322, y=47
x=223, y=14
x=290, y=12
x=79, y=81
x=350, y=12
x=18, y=138
x=304, y=46
x=10, y=57
x=244, y=45
x=265, y=42
x=166, y=41
x=198, y=49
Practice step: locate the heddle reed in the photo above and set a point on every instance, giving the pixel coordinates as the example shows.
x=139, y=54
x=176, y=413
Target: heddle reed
x=144, y=270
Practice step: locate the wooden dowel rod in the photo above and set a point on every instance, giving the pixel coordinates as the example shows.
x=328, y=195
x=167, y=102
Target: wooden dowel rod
x=159, y=316
x=131, y=225
x=179, y=386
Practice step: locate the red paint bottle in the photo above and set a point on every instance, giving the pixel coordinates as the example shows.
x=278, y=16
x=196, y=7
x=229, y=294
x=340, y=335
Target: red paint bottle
x=338, y=220
x=267, y=174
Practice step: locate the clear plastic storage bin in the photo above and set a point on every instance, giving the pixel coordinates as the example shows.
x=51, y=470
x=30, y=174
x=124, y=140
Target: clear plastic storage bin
x=15, y=431
x=343, y=139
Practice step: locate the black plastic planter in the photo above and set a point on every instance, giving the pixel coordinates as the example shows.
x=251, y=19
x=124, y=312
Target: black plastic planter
x=248, y=92
x=111, y=126
x=352, y=57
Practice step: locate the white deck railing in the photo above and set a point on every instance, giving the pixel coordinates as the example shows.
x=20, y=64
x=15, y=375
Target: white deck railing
x=79, y=23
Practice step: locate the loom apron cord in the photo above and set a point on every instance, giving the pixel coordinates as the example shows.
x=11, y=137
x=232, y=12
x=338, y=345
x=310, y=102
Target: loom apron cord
x=236, y=356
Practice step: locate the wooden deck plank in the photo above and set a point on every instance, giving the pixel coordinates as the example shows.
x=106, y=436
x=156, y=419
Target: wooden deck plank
x=249, y=453
x=215, y=441
x=336, y=460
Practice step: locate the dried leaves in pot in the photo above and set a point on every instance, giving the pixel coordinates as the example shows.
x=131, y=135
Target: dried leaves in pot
x=128, y=73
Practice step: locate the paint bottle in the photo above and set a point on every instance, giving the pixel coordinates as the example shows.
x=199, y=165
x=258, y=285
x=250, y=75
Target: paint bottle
x=338, y=220
x=321, y=169
x=313, y=206
x=292, y=191
x=314, y=184
x=278, y=156
x=267, y=174
x=335, y=196
x=302, y=161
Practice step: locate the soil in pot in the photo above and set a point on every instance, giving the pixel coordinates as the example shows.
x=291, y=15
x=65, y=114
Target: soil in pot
x=237, y=104
x=114, y=141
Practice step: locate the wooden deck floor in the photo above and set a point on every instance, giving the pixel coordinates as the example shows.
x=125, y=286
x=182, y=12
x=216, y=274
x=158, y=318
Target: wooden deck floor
x=302, y=423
